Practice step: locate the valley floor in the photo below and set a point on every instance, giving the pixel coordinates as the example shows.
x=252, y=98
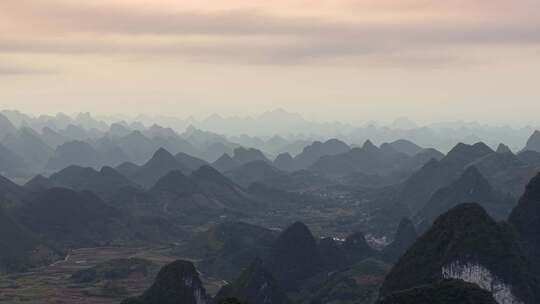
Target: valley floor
x=52, y=284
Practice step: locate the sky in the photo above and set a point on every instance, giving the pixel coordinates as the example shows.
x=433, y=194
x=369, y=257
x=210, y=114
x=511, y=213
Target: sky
x=343, y=60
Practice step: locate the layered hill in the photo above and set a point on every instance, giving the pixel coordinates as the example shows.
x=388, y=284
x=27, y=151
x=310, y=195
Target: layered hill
x=110, y=152
x=252, y=172
x=471, y=186
x=316, y=150
x=161, y=163
x=225, y=163
x=367, y=159
x=6, y=127
x=243, y=155
x=416, y=191
x=240, y=156
x=26, y=144
x=204, y=190
x=404, y=146
x=39, y=183
x=106, y=183
x=78, y=153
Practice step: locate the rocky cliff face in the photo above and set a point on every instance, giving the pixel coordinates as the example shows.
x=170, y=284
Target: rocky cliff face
x=481, y=276
x=466, y=243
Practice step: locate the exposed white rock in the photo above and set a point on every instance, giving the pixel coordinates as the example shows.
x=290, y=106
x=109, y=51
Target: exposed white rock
x=188, y=281
x=481, y=276
x=198, y=294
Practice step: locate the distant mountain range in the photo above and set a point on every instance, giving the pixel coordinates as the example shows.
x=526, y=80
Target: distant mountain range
x=49, y=143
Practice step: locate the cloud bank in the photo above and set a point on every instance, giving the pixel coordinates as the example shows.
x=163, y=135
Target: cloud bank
x=252, y=35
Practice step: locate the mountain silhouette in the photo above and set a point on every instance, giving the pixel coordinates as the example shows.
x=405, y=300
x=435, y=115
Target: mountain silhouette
x=106, y=183
x=285, y=162
x=118, y=130
x=26, y=144
x=39, y=183
x=416, y=191
x=127, y=169
x=6, y=127
x=533, y=143
x=77, y=153
x=404, y=146
x=318, y=149
x=368, y=159
x=502, y=148
x=190, y=162
x=161, y=163
x=53, y=138
x=294, y=256
x=75, y=132
x=252, y=172
x=204, y=191
x=225, y=163
x=110, y=152
x=177, y=282
x=138, y=147
x=471, y=186
x=243, y=155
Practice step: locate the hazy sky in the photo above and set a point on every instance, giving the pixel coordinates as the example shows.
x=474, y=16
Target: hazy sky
x=346, y=60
